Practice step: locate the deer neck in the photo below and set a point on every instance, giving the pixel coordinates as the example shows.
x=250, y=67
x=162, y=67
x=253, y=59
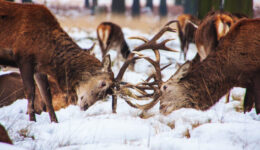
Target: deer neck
x=125, y=49
x=209, y=81
x=70, y=64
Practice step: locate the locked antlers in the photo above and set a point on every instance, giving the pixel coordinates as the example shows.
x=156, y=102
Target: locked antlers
x=143, y=88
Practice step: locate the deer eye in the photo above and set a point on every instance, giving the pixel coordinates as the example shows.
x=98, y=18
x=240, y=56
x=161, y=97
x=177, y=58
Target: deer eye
x=164, y=87
x=103, y=84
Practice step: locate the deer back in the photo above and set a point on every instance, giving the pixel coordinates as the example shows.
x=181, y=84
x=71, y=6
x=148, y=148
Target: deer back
x=110, y=36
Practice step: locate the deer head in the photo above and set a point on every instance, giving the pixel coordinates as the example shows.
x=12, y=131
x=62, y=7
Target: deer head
x=95, y=88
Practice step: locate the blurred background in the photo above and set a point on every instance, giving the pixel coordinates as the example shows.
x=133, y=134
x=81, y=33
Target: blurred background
x=144, y=15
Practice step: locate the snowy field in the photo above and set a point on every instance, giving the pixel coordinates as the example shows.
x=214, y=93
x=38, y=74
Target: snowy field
x=222, y=127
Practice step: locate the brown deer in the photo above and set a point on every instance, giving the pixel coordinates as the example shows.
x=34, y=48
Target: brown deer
x=212, y=28
x=33, y=41
x=236, y=62
x=11, y=87
x=187, y=26
x=110, y=36
x=4, y=137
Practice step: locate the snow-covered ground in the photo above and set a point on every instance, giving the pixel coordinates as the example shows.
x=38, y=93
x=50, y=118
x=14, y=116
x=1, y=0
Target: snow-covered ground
x=221, y=127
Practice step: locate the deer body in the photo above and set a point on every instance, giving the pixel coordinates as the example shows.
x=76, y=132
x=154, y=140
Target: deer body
x=110, y=36
x=40, y=47
x=187, y=26
x=236, y=61
x=215, y=26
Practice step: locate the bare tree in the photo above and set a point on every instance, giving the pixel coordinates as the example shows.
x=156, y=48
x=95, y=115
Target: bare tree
x=163, y=8
x=118, y=6
x=136, y=8
x=86, y=4
x=149, y=3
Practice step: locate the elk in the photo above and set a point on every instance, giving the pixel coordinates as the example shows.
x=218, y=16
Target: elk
x=11, y=86
x=212, y=28
x=187, y=26
x=33, y=41
x=235, y=62
x=110, y=36
x=4, y=137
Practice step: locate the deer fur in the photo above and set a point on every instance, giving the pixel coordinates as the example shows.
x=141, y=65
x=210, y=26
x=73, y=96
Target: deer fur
x=110, y=36
x=187, y=26
x=34, y=42
x=4, y=137
x=236, y=62
x=11, y=87
x=212, y=28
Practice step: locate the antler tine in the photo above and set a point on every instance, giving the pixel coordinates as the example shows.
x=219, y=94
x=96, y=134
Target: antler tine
x=156, y=52
x=153, y=75
x=152, y=43
x=158, y=75
x=170, y=22
x=124, y=67
x=145, y=106
x=161, y=32
x=139, y=38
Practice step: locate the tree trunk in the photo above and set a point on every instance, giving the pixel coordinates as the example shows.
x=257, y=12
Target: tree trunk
x=86, y=4
x=163, y=8
x=178, y=2
x=239, y=6
x=27, y=1
x=136, y=8
x=93, y=7
x=118, y=6
x=191, y=7
x=149, y=3
x=204, y=6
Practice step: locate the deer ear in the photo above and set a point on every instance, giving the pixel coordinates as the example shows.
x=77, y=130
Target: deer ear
x=106, y=63
x=182, y=71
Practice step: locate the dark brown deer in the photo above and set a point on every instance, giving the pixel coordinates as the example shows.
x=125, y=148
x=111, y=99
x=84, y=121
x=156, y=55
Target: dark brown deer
x=187, y=26
x=32, y=40
x=236, y=62
x=212, y=28
x=4, y=137
x=110, y=36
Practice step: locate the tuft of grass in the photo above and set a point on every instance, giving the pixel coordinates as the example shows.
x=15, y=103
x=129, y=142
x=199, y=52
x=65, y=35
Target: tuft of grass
x=171, y=125
x=25, y=133
x=187, y=133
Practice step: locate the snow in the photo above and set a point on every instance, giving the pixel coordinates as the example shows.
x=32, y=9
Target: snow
x=221, y=127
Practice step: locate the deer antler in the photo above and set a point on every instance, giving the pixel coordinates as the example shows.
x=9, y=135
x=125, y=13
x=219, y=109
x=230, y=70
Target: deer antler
x=121, y=87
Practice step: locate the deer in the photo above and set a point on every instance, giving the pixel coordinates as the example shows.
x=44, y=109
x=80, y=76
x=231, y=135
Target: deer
x=187, y=26
x=111, y=36
x=235, y=62
x=11, y=86
x=213, y=27
x=33, y=41
x=4, y=137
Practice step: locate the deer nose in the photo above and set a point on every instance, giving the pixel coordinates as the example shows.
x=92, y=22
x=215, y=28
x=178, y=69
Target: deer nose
x=164, y=87
x=85, y=107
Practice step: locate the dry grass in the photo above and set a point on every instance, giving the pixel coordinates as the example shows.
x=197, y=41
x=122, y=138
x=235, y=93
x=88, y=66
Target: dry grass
x=144, y=23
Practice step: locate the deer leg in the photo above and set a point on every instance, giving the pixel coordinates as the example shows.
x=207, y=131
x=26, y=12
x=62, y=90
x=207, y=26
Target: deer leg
x=249, y=99
x=257, y=92
x=27, y=72
x=44, y=88
x=114, y=102
x=227, y=96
